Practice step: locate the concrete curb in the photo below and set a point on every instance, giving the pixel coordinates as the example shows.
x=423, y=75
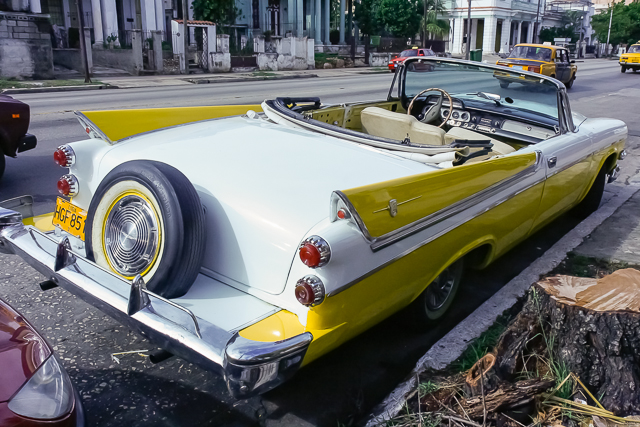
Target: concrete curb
x=57, y=89
x=249, y=79
x=451, y=346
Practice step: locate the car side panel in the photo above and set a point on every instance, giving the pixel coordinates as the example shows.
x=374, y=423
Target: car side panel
x=388, y=290
x=421, y=195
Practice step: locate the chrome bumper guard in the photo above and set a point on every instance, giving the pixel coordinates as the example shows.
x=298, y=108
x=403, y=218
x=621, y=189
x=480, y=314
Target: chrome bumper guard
x=613, y=175
x=249, y=367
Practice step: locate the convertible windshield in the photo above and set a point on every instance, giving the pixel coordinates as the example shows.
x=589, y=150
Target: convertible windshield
x=634, y=49
x=531, y=52
x=410, y=52
x=484, y=87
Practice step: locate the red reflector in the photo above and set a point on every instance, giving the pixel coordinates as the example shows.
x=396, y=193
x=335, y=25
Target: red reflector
x=88, y=130
x=305, y=294
x=60, y=157
x=310, y=255
x=15, y=116
x=64, y=187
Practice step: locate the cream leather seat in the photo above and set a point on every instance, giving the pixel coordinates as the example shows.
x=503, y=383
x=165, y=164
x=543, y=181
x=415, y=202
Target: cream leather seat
x=387, y=124
x=469, y=135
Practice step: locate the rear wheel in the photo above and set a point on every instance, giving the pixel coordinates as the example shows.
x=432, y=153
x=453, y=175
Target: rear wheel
x=592, y=200
x=146, y=219
x=434, y=302
x=569, y=84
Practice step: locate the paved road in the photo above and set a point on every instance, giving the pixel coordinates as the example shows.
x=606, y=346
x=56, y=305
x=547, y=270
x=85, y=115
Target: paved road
x=340, y=387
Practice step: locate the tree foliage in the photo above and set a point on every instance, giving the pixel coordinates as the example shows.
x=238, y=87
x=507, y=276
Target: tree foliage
x=366, y=16
x=400, y=18
x=625, y=25
x=220, y=12
x=571, y=24
x=431, y=24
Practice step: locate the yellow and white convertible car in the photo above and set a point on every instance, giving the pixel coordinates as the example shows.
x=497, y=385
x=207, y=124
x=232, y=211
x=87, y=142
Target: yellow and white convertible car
x=255, y=243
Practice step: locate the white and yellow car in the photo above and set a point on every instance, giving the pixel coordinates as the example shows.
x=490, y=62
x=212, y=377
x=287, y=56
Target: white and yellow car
x=256, y=243
x=631, y=59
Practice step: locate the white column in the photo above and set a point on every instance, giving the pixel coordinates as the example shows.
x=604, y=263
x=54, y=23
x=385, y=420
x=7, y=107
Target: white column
x=474, y=33
x=458, y=34
x=148, y=12
x=96, y=13
x=291, y=17
x=34, y=6
x=327, y=21
x=299, y=18
x=109, y=19
x=530, y=32
x=159, y=6
x=505, y=38
x=518, y=32
x=489, y=35
x=317, y=31
x=343, y=8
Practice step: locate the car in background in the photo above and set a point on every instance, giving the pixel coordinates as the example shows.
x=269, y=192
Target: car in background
x=399, y=59
x=631, y=59
x=14, y=123
x=552, y=61
x=35, y=390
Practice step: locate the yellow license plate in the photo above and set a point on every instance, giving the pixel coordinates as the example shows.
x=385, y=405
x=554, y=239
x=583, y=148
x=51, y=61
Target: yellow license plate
x=69, y=218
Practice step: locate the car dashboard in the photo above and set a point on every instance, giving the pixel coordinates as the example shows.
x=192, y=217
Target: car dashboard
x=493, y=123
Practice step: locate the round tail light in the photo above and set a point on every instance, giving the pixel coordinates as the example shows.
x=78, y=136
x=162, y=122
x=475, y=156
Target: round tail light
x=64, y=156
x=314, y=252
x=310, y=291
x=68, y=185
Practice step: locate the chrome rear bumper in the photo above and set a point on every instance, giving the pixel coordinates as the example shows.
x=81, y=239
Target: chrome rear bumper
x=249, y=367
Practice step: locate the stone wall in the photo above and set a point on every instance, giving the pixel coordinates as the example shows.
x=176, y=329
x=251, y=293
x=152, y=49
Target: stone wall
x=68, y=58
x=116, y=58
x=25, y=46
x=291, y=53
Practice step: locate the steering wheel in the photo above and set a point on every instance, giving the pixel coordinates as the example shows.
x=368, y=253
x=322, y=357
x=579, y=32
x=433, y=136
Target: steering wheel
x=434, y=111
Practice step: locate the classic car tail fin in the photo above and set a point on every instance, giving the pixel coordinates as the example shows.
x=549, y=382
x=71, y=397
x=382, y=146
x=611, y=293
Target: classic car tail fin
x=114, y=125
x=382, y=208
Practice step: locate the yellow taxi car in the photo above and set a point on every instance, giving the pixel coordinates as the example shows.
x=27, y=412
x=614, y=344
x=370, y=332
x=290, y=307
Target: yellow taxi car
x=631, y=59
x=552, y=61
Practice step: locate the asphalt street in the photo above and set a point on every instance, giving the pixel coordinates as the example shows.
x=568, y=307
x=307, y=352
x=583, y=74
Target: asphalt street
x=341, y=387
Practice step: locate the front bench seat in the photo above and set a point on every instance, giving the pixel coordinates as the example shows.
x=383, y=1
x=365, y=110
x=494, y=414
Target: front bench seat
x=383, y=123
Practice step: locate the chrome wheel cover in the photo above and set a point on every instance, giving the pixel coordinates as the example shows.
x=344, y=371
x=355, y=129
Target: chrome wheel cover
x=439, y=291
x=131, y=235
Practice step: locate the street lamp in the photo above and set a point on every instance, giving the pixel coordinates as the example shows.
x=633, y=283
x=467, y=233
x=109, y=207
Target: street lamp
x=466, y=56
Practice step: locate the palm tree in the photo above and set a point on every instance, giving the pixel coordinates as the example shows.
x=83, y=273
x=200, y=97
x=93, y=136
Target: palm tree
x=430, y=24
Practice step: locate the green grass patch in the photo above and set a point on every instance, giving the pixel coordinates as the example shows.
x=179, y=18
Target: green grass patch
x=481, y=345
x=26, y=84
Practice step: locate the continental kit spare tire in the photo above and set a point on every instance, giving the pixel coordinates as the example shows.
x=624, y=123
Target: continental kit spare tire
x=146, y=218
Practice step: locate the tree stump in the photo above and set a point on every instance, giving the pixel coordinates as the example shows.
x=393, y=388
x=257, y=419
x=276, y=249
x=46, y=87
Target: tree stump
x=591, y=325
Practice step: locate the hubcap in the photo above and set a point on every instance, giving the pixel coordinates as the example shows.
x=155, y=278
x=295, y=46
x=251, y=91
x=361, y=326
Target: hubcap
x=131, y=235
x=439, y=291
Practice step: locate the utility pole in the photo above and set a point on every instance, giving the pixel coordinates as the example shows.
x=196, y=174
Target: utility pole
x=609, y=32
x=83, y=45
x=185, y=34
x=424, y=32
x=466, y=56
x=535, y=34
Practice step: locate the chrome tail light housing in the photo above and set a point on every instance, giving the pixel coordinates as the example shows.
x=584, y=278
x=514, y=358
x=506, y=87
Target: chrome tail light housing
x=310, y=291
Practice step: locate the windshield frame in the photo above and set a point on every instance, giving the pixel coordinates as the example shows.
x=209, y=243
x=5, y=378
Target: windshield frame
x=565, y=119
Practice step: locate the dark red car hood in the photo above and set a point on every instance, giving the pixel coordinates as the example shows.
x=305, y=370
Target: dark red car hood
x=22, y=351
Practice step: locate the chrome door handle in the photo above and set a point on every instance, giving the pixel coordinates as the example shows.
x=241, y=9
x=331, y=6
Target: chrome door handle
x=552, y=161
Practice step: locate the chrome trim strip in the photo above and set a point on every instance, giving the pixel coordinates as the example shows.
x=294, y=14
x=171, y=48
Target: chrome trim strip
x=431, y=239
x=354, y=214
x=95, y=129
x=454, y=209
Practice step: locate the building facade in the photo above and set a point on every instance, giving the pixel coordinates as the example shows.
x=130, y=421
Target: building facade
x=496, y=25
